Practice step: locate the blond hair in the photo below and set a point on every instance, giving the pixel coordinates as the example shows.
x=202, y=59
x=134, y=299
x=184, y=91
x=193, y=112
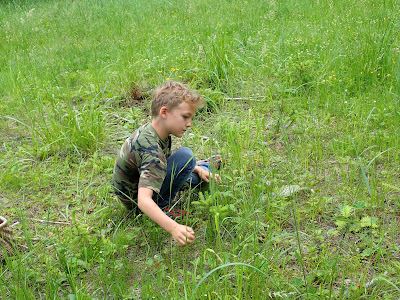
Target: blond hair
x=171, y=94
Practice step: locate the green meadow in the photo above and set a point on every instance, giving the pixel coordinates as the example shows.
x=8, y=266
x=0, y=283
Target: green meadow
x=302, y=98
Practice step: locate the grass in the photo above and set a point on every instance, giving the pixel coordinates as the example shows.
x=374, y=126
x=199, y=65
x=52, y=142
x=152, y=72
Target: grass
x=303, y=94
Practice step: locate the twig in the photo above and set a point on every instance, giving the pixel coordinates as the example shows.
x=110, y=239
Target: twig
x=242, y=99
x=201, y=136
x=51, y=222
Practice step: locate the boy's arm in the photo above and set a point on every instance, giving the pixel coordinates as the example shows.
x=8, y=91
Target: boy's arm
x=205, y=175
x=182, y=234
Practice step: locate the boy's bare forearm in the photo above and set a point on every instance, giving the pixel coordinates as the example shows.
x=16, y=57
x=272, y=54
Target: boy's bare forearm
x=151, y=209
x=182, y=234
x=198, y=170
x=206, y=175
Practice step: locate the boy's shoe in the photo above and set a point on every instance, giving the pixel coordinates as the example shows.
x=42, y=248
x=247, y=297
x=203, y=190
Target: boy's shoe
x=174, y=213
x=215, y=161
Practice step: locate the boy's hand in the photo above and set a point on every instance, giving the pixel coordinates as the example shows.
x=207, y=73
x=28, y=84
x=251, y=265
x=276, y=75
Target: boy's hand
x=206, y=176
x=183, y=234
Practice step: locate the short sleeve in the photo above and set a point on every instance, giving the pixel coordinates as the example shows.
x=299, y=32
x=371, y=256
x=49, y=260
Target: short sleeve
x=153, y=170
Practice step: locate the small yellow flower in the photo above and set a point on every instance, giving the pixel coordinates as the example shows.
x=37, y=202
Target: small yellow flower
x=361, y=73
x=159, y=71
x=109, y=220
x=167, y=78
x=172, y=69
x=180, y=76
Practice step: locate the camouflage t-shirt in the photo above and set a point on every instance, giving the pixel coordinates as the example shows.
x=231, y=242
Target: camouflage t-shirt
x=142, y=162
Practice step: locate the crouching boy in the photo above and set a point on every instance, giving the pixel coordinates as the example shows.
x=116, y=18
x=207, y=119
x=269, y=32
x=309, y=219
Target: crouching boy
x=146, y=175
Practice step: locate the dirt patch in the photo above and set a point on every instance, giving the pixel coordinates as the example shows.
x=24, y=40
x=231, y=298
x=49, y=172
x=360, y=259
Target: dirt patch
x=136, y=96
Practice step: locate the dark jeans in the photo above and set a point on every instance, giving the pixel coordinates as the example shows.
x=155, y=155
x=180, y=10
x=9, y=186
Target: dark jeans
x=180, y=166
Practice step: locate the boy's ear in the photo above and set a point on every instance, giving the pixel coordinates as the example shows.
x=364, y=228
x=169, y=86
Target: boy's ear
x=163, y=112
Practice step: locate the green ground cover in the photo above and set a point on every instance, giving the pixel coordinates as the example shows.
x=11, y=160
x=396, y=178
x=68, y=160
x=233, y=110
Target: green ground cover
x=303, y=98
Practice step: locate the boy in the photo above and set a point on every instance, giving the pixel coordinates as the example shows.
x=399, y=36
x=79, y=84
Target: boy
x=146, y=176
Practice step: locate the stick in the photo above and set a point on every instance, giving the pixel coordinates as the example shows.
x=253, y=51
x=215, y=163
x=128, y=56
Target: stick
x=242, y=99
x=201, y=136
x=51, y=222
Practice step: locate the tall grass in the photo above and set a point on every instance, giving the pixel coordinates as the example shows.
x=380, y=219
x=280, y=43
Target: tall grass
x=303, y=95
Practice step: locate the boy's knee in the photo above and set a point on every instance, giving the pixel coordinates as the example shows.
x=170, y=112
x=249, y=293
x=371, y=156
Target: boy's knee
x=187, y=155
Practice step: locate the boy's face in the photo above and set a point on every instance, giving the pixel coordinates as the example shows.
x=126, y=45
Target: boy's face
x=179, y=119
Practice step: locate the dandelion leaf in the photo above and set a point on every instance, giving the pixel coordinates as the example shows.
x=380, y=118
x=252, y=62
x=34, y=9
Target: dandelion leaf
x=369, y=222
x=346, y=211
